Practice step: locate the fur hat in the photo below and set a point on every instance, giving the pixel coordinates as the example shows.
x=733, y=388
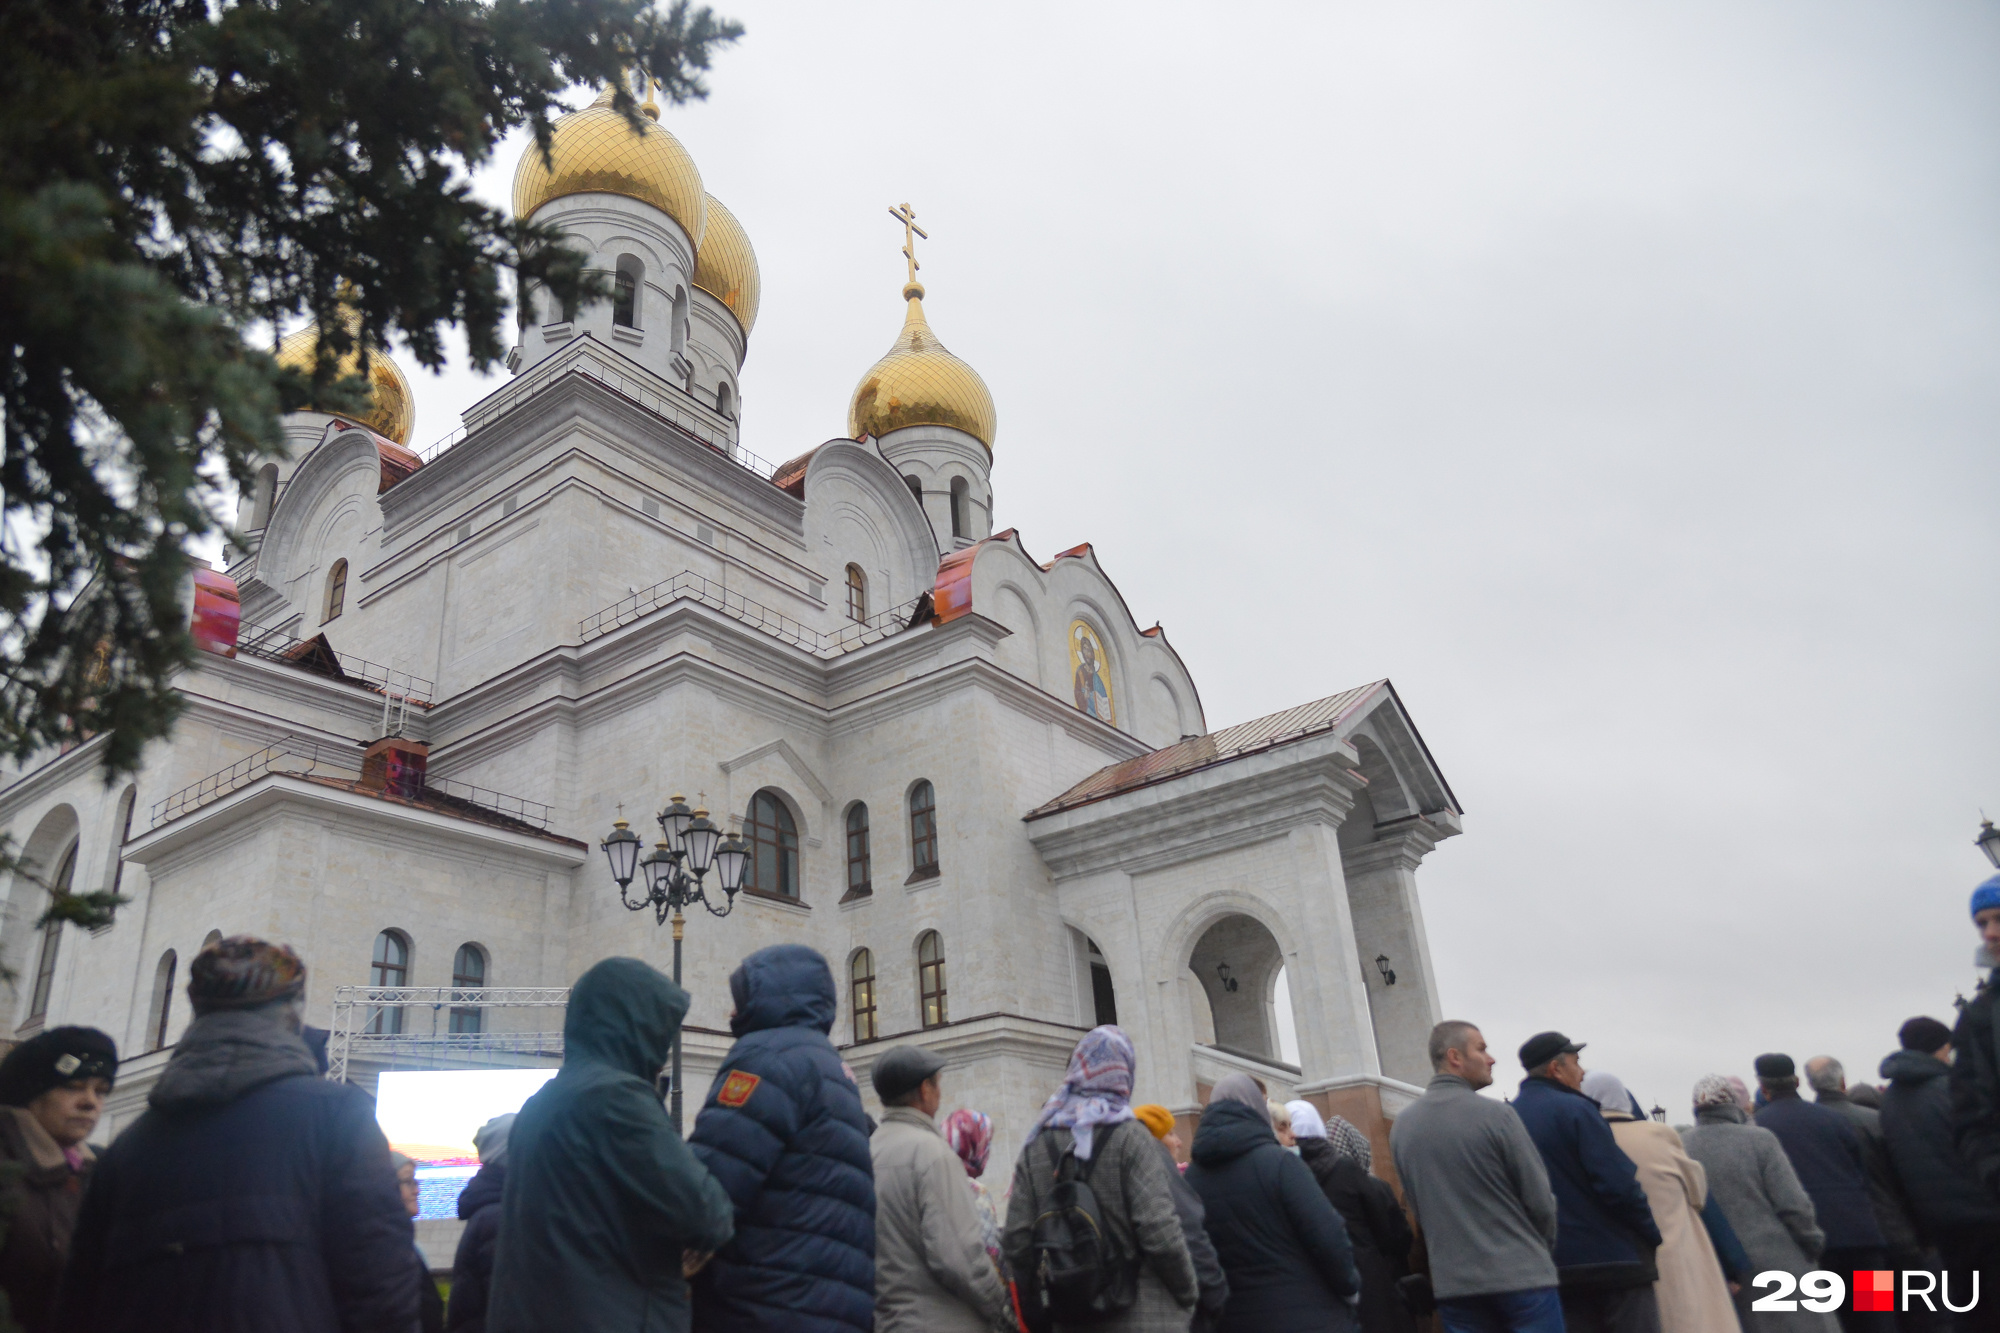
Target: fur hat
x=243, y=972
x=55, y=1057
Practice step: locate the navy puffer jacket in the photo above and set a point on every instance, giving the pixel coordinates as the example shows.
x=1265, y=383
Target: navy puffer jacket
x=784, y=1132
x=1605, y=1232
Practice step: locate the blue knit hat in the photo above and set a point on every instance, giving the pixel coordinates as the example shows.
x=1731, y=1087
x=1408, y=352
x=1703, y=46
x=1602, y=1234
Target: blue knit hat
x=1985, y=896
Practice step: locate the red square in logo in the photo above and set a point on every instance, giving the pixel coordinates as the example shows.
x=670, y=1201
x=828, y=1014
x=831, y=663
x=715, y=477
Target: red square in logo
x=1874, y=1289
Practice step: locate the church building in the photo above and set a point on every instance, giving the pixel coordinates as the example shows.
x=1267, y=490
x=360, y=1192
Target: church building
x=963, y=768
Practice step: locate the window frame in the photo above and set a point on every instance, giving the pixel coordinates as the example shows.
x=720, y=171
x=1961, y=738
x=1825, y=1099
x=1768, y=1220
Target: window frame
x=164, y=975
x=51, y=950
x=860, y=855
x=336, y=592
x=783, y=842
x=864, y=1005
x=922, y=802
x=628, y=279
x=464, y=1019
x=857, y=594
x=388, y=1020
x=933, y=1007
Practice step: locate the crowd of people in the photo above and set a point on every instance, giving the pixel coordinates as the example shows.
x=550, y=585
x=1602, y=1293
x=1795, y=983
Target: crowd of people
x=254, y=1194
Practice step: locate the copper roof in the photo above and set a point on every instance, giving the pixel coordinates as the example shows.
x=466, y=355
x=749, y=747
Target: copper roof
x=1264, y=733
x=792, y=476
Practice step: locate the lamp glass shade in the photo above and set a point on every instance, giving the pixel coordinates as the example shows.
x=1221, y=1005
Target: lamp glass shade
x=621, y=849
x=731, y=860
x=659, y=868
x=674, y=821
x=700, y=843
x=1989, y=842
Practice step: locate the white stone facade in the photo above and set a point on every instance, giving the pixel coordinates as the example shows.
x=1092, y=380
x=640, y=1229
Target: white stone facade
x=599, y=603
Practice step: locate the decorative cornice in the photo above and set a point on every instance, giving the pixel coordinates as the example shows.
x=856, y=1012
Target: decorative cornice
x=45, y=780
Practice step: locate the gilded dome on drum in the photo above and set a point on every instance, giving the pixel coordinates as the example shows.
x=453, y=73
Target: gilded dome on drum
x=596, y=151
x=726, y=267
x=919, y=383
x=392, y=408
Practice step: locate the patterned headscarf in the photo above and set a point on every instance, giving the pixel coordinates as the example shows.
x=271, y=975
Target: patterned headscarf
x=970, y=1134
x=1096, y=1089
x=1346, y=1140
x=1713, y=1090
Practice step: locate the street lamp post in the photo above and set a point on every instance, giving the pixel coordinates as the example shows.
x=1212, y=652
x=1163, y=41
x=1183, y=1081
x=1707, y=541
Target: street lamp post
x=1988, y=841
x=690, y=847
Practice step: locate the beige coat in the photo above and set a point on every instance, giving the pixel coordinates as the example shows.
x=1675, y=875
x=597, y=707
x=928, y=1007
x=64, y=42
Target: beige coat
x=932, y=1273
x=1694, y=1298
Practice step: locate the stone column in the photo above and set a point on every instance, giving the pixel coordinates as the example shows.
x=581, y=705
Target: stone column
x=1388, y=921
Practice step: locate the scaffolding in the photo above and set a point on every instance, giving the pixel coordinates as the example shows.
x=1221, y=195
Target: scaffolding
x=361, y=1023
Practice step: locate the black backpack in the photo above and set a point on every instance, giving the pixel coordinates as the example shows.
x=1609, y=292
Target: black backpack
x=1078, y=1275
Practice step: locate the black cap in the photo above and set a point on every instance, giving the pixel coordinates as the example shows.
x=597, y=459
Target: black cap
x=1543, y=1047
x=1776, y=1066
x=58, y=1056
x=901, y=1070
x=1924, y=1034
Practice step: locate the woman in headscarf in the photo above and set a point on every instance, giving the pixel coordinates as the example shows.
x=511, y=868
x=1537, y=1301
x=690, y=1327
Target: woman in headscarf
x=1083, y=1132
x=1340, y=1156
x=1692, y=1294
x=1760, y=1194
x=1282, y=1244
x=970, y=1134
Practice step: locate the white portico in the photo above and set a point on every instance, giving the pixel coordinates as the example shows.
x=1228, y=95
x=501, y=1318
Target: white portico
x=968, y=775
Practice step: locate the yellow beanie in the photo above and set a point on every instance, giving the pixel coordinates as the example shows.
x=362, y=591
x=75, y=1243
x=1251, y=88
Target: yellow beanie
x=1156, y=1118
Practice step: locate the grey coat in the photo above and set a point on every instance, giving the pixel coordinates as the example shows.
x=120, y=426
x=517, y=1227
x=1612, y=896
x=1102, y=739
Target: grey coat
x=1128, y=1176
x=1752, y=1179
x=932, y=1272
x=1479, y=1189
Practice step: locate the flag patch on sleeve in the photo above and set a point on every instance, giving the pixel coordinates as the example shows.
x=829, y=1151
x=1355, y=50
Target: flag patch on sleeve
x=736, y=1089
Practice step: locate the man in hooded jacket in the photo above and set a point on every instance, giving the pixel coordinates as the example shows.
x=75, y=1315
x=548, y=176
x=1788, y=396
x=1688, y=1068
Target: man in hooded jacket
x=253, y=1194
x=784, y=1132
x=602, y=1199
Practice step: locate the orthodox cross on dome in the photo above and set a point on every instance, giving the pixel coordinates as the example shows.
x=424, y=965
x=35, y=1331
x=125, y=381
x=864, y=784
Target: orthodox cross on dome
x=908, y=217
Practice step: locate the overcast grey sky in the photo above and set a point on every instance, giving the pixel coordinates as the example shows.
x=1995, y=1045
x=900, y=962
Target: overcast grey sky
x=1618, y=380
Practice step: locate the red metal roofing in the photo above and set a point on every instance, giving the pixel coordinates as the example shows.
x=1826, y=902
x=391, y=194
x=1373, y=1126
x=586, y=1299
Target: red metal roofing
x=1262, y=733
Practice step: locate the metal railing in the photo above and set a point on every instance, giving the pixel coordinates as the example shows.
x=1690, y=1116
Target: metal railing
x=361, y=1013
x=634, y=391
x=282, y=646
x=690, y=586
x=295, y=756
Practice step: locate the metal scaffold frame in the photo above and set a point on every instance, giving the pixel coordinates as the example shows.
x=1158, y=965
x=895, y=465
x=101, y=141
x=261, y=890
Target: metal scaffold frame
x=354, y=1009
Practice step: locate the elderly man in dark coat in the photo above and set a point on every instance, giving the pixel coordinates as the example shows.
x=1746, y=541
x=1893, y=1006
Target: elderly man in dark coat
x=784, y=1132
x=603, y=1202
x=1826, y=1152
x=253, y=1194
x=1605, y=1233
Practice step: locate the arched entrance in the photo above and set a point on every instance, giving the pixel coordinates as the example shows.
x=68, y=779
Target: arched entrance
x=1237, y=961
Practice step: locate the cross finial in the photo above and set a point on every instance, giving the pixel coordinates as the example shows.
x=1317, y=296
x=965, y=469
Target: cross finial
x=621, y=809
x=908, y=217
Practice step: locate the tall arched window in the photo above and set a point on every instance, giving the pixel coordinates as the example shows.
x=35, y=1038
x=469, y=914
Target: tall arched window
x=625, y=289
x=858, y=879
x=680, y=318
x=916, y=490
x=961, y=521
x=857, y=593
x=161, y=1011
x=468, y=973
x=923, y=831
x=725, y=399
x=336, y=591
x=45, y=963
x=126, y=804
x=391, y=967
x=861, y=990
x=262, y=496
x=213, y=937
x=930, y=978
x=774, y=847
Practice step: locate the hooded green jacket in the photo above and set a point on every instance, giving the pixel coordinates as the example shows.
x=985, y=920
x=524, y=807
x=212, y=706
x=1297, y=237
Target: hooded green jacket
x=602, y=1195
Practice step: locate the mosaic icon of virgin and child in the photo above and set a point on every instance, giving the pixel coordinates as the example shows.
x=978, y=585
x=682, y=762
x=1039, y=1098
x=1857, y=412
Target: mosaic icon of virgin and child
x=1092, y=673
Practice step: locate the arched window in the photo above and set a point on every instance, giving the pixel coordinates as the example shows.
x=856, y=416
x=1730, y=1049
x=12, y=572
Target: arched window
x=930, y=978
x=725, y=399
x=680, y=318
x=391, y=967
x=961, y=521
x=857, y=593
x=923, y=831
x=126, y=804
x=858, y=880
x=774, y=847
x=45, y=964
x=261, y=497
x=625, y=292
x=160, y=1013
x=861, y=989
x=213, y=937
x=916, y=490
x=468, y=973
x=336, y=591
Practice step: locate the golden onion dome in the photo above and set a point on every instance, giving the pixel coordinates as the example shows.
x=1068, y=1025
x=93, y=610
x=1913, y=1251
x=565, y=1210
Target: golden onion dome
x=726, y=267
x=919, y=383
x=595, y=150
x=392, y=408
